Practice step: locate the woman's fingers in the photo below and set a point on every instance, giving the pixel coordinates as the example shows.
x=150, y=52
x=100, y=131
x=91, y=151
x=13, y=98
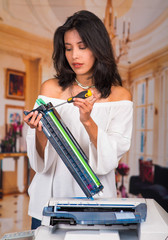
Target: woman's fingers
x=40, y=126
x=83, y=104
x=28, y=117
x=33, y=120
x=85, y=108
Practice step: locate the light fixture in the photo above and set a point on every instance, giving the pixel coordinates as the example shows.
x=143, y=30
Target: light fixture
x=120, y=45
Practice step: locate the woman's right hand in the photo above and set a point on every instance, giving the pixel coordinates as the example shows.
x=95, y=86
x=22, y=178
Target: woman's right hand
x=33, y=120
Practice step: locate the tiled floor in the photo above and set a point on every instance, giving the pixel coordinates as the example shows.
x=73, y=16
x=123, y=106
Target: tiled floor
x=13, y=214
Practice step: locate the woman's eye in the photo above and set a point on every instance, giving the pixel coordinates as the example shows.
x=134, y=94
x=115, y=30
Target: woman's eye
x=82, y=47
x=68, y=49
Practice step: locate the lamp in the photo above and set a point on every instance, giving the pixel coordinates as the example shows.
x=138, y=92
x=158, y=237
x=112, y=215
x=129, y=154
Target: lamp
x=120, y=45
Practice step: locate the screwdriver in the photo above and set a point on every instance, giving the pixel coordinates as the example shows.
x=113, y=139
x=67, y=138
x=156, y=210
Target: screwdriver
x=83, y=94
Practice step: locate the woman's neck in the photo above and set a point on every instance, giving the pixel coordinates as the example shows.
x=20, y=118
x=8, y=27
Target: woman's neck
x=84, y=86
x=84, y=82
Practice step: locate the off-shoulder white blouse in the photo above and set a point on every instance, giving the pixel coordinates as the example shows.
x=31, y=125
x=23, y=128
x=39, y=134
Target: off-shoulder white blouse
x=52, y=178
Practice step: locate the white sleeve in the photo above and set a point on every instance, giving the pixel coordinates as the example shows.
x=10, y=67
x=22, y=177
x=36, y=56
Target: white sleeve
x=36, y=162
x=113, y=141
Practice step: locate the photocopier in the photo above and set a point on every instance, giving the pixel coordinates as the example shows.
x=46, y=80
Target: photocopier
x=90, y=218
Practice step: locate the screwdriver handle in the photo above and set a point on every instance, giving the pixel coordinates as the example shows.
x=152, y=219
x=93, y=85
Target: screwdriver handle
x=84, y=94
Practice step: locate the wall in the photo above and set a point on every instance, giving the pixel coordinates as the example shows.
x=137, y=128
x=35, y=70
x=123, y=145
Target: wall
x=13, y=62
x=22, y=52
x=10, y=180
x=153, y=67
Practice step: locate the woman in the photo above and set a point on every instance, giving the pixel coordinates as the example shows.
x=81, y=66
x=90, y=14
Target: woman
x=102, y=124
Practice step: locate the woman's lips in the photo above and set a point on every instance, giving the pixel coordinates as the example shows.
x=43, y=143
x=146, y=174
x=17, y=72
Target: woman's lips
x=77, y=65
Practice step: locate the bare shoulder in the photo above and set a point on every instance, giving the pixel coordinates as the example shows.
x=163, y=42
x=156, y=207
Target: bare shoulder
x=50, y=88
x=119, y=93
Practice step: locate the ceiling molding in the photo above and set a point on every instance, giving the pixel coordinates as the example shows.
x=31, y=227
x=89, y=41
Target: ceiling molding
x=152, y=61
x=152, y=27
x=45, y=16
x=20, y=42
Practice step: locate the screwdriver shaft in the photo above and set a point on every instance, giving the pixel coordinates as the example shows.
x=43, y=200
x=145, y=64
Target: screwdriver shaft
x=83, y=95
x=57, y=105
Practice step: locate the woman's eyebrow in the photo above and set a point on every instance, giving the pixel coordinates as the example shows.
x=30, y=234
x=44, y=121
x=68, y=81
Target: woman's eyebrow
x=66, y=43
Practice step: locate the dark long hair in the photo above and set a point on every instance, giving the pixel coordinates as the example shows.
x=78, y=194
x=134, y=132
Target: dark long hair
x=94, y=35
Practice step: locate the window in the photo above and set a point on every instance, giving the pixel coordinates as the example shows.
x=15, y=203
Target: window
x=144, y=118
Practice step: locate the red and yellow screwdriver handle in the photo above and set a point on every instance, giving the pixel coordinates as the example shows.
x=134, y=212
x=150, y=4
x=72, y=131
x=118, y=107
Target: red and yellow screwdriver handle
x=83, y=94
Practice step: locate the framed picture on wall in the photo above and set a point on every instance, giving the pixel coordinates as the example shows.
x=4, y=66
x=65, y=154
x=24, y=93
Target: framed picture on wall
x=15, y=84
x=13, y=117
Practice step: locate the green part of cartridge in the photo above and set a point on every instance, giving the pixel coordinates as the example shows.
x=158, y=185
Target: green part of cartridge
x=40, y=101
x=71, y=144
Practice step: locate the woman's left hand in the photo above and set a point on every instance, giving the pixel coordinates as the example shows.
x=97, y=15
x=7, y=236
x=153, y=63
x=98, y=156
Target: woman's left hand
x=85, y=107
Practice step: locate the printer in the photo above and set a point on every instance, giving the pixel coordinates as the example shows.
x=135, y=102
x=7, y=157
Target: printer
x=90, y=218
x=99, y=219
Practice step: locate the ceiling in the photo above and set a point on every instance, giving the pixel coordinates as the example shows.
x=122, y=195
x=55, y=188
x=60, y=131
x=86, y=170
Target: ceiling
x=42, y=17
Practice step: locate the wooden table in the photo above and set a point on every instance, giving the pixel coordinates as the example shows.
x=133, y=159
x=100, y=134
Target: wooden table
x=15, y=156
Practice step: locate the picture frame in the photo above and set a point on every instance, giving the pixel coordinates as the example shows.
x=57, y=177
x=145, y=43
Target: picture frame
x=15, y=84
x=13, y=114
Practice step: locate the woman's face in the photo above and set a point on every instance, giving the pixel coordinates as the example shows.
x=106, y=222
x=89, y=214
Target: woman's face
x=79, y=57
